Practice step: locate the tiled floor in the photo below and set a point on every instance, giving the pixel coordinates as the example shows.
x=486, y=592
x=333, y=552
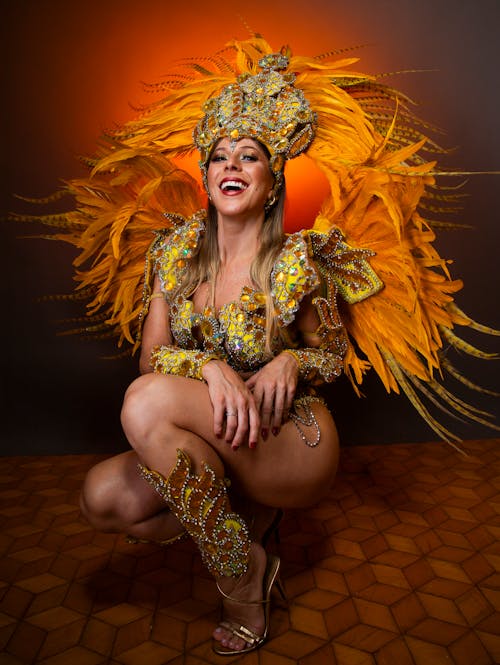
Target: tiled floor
x=399, y=566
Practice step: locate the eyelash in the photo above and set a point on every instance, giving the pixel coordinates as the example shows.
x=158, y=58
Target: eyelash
x=222, y=158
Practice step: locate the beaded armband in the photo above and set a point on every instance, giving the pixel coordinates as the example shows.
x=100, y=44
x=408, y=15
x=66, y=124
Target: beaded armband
x=317, y=364
x=180, y=362
x=326, y=362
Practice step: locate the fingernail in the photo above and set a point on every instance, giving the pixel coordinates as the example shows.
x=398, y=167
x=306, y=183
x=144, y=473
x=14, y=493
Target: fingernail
x=264, y=431
x=235, y=448
x=252, y=444
x=276, y=431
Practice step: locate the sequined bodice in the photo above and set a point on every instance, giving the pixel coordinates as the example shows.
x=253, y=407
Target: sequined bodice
x=236, y=332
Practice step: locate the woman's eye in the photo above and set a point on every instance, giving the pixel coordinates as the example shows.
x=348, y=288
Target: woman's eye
x=249, y=158
x=218, y=158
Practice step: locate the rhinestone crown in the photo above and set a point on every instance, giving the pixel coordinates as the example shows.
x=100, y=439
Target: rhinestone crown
x=266, y=107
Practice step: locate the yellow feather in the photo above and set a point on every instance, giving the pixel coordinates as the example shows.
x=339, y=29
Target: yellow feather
x=372, y=151
x=464, y=346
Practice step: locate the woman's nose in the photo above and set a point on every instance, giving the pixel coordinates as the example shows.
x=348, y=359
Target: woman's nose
x=232, y=163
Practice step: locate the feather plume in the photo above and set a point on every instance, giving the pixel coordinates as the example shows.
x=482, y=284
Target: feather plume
x=385, y=191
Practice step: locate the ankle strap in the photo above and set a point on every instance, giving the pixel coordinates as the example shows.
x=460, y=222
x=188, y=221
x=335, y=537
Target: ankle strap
x=264, y=601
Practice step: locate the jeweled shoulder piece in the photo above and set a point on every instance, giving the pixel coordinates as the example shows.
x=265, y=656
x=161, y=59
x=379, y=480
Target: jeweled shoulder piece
x=293, y=276
x=347, y=266
x=266, y=107
x=171, y=257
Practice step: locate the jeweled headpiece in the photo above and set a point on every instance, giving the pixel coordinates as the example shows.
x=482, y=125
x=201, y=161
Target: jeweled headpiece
x=266, y=107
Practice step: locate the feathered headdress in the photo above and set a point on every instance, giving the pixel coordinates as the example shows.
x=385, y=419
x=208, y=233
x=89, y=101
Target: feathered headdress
x=381, y=191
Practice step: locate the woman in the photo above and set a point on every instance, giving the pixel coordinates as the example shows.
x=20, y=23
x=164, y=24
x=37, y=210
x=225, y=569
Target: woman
x=239, y=320
x=240, y=425
x=246, y=419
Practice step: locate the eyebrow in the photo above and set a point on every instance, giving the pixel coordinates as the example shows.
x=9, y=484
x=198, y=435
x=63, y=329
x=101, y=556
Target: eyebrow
x=246, y=146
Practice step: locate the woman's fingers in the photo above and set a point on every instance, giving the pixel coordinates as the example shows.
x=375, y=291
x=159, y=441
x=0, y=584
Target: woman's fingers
x=266, y=412
x=219, y=419
x=273, y=398
x=233, y=420
x=240, y=435
x=242, y=425
x=254, y=425
x=232, y=403
x=279, y=408
x=290, y=395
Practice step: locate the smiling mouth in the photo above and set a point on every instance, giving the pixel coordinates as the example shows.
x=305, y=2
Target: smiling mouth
x=233, y=186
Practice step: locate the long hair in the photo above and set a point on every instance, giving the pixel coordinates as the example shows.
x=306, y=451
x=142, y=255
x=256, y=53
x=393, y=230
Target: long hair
x=205, y=265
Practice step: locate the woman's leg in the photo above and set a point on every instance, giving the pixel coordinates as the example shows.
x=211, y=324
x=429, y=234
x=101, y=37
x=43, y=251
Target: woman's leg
x=162, y=414
x=116, y=499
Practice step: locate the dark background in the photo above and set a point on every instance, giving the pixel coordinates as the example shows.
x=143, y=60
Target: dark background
x=71, y=69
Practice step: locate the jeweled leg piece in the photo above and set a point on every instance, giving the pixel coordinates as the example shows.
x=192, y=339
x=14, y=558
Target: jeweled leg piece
x=201, y=504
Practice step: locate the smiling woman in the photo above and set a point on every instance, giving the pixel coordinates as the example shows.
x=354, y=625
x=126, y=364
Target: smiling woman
x=239, y=175
x=241, y=320
x=229, y=303
x=239, y=323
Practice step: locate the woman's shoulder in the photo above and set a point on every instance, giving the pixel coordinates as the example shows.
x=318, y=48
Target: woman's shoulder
x=175, y=246
x=294, y=275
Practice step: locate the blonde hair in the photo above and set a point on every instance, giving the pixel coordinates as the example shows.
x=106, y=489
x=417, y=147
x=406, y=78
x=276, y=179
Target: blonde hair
x=205, y=265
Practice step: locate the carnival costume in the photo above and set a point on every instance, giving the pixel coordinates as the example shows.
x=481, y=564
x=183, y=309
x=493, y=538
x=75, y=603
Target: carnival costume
x=383, y=294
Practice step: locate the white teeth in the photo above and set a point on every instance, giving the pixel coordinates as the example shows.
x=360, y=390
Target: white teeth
x=233, y=184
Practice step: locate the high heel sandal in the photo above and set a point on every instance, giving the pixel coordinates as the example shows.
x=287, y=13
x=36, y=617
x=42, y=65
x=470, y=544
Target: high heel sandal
x=253, y=641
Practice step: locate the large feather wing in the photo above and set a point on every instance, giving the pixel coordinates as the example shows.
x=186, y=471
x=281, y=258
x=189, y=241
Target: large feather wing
x=401, y=332
x=116, y=212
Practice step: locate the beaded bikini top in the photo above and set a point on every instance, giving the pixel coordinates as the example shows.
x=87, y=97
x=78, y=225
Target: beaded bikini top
x=238, y=330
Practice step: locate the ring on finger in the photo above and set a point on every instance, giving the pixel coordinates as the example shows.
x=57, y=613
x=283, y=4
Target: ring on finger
x=231, y=413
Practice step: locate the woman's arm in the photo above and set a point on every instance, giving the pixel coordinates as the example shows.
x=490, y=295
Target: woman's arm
x=156, y=329
x=228, y=392
x=158, y=353
x=321, y=352
x=319, y=358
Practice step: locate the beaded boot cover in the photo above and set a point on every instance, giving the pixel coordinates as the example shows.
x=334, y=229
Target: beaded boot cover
x=202, y=506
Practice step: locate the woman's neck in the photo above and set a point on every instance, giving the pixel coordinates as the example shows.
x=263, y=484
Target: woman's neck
x=238, y=242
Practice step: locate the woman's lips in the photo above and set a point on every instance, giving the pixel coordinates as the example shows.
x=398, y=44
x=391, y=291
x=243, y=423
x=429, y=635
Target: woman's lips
x=232, y=186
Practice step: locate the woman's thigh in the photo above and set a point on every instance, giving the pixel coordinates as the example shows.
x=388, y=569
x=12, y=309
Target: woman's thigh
x=286, y=472
x=282, y=470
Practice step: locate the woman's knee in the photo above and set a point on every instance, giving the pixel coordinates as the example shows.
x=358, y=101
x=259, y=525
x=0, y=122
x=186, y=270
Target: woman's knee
x=99, y=502
x=141, y=405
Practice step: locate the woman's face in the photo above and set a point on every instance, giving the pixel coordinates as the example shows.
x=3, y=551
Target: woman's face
x=239, y=178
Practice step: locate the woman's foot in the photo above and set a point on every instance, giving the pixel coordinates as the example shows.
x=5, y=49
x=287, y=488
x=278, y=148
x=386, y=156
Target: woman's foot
x=250, y=612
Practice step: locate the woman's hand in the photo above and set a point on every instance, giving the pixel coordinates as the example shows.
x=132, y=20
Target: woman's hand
x=273, y=388
x=233, y=403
